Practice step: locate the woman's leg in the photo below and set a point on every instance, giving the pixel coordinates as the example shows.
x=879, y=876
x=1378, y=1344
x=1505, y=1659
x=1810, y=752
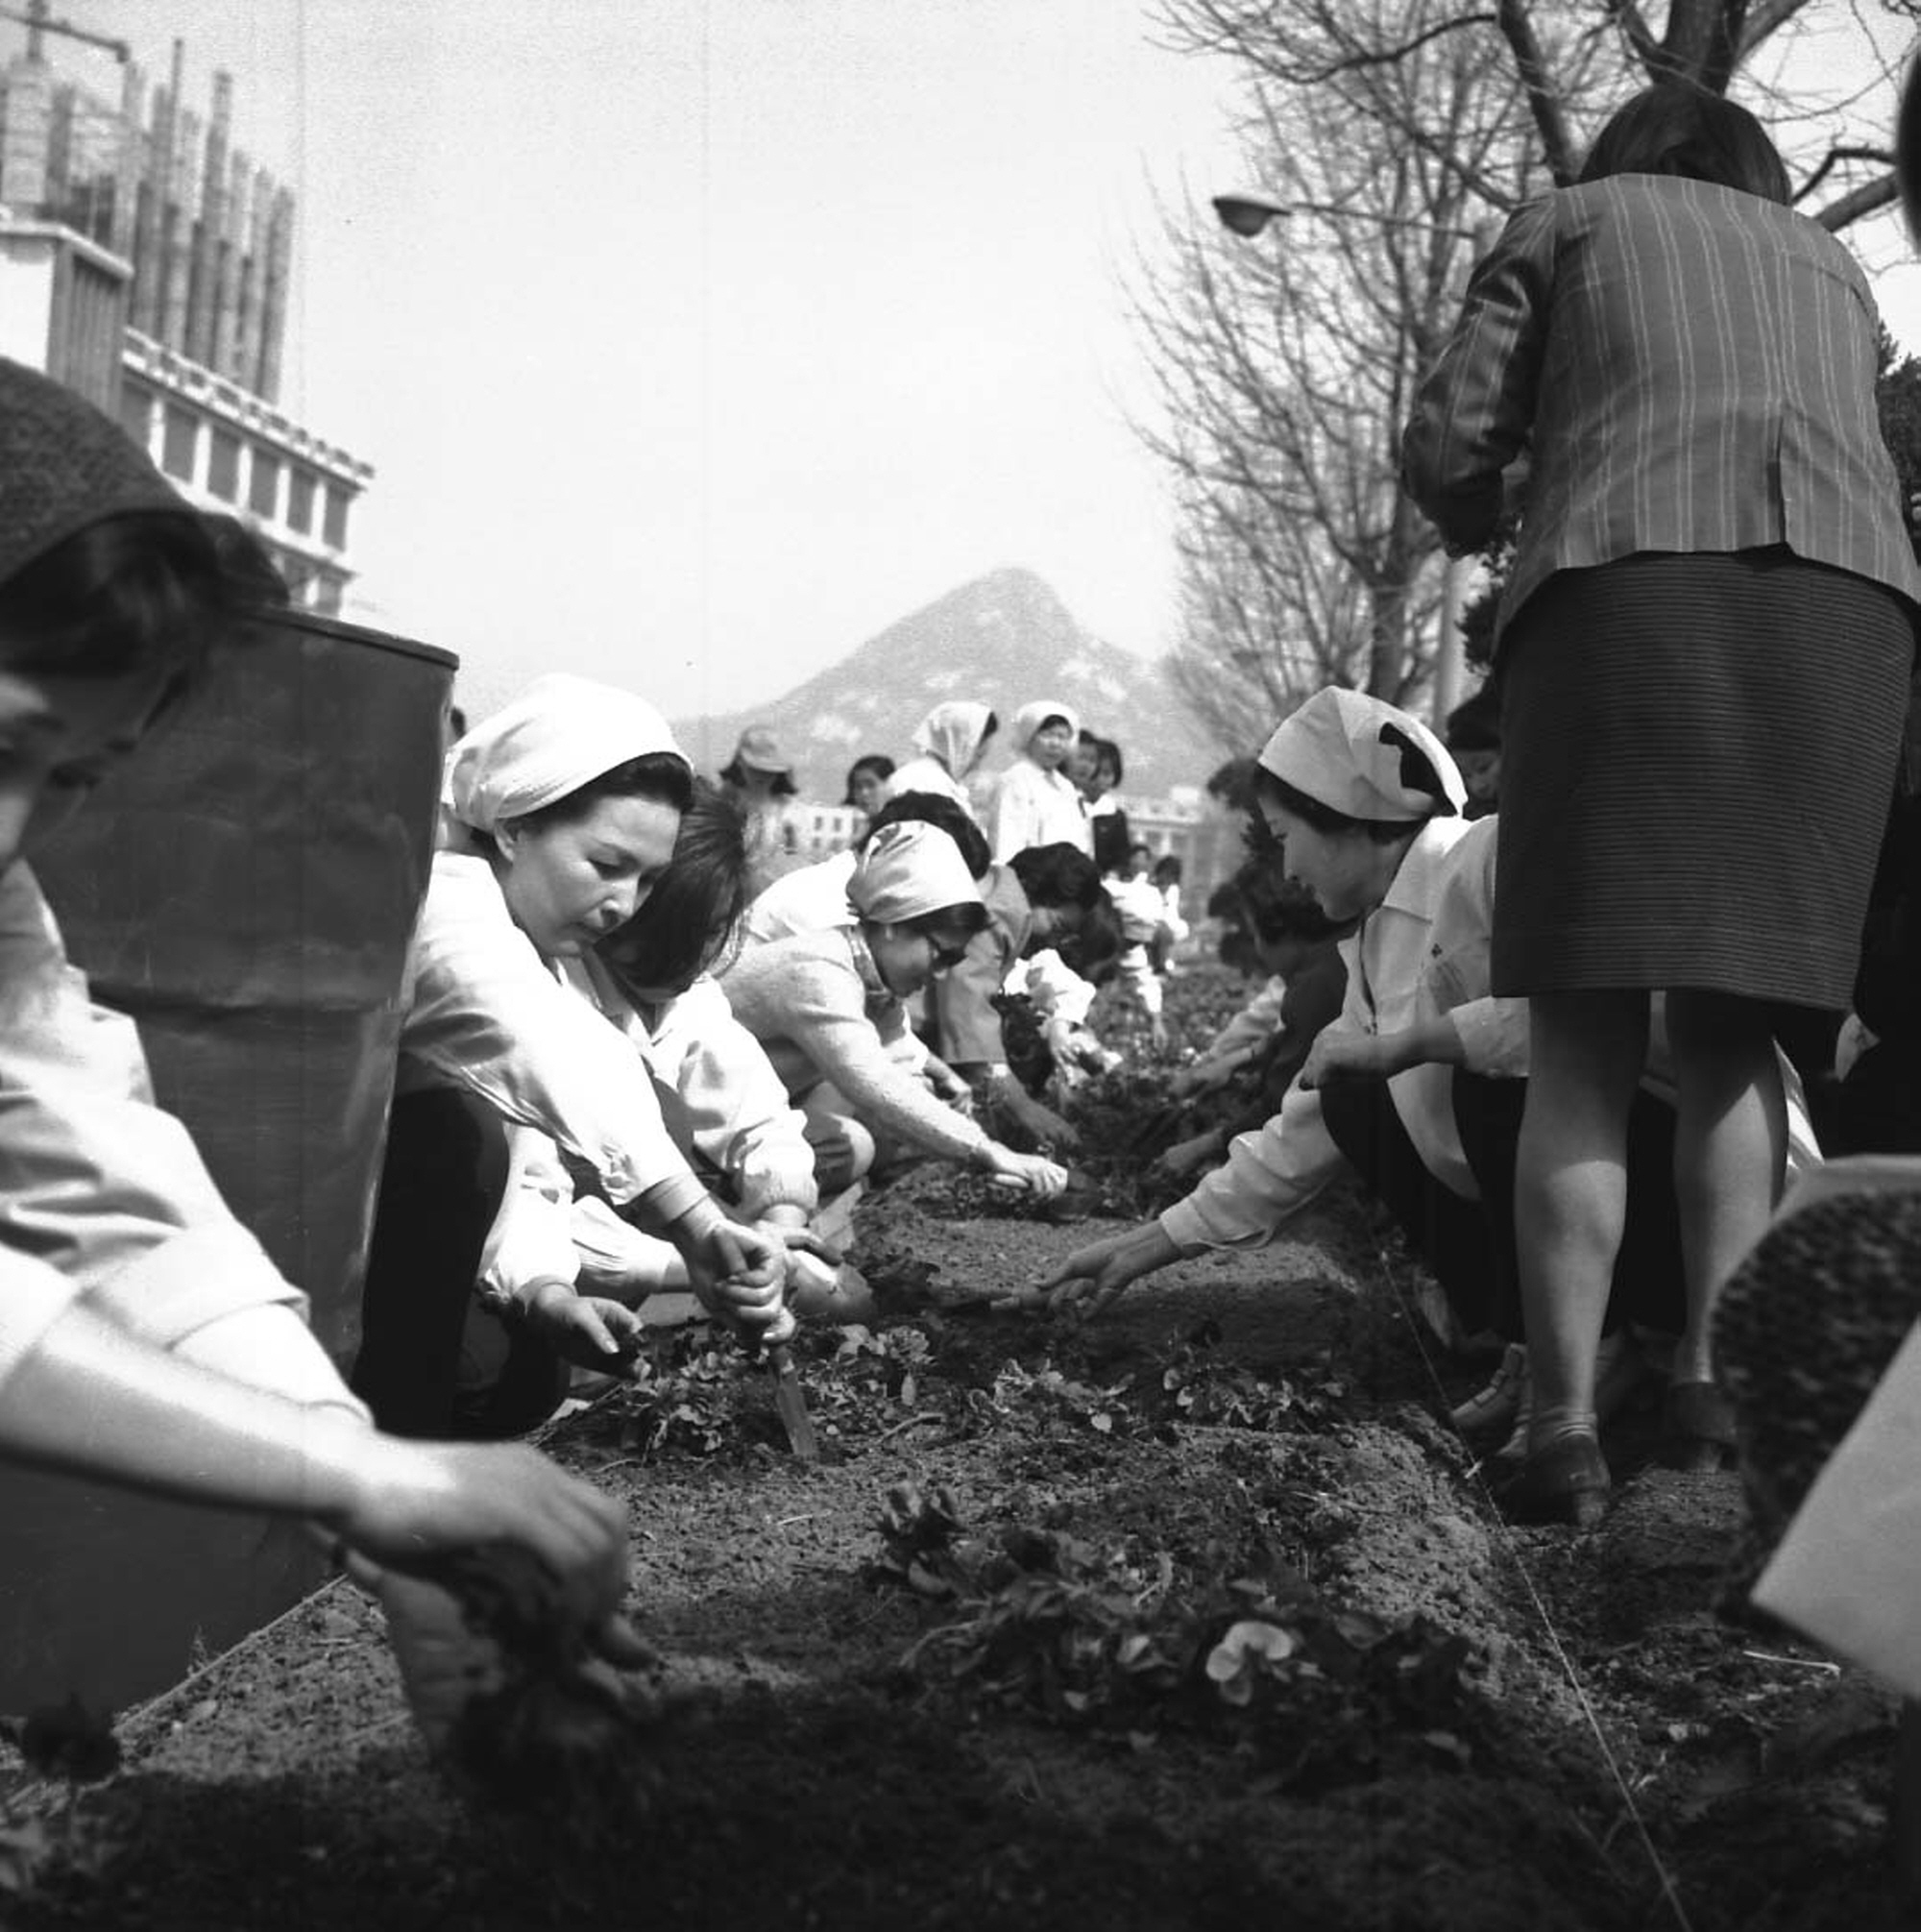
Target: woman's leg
x=445, y=1176
x=1730, y=1149
x=1453, y=1237
x=844, y=1150
x=1585, y=1060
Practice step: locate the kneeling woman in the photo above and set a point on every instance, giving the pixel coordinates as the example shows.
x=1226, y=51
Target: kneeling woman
x=1419, y=1082
x=722, y=1101
x=567, y=803
x=826, y=1004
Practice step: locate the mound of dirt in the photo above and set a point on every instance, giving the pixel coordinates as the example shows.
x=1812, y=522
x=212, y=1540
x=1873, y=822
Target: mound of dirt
x=1234, y=1486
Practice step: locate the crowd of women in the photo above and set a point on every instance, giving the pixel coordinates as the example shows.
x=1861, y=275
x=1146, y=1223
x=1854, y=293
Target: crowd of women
x=637, y=1055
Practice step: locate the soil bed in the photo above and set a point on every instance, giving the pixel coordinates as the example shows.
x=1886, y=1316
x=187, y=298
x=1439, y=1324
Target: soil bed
x=1192, y=1616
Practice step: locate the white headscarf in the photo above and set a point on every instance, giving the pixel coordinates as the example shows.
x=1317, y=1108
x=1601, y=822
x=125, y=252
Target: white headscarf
x=559, y=733
x=1030, y=718
x=952, y=732
x=1345, y=749
x=908, y=870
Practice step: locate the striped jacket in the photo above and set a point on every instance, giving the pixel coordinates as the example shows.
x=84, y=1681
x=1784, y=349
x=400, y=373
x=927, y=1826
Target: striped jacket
x=1688, y=368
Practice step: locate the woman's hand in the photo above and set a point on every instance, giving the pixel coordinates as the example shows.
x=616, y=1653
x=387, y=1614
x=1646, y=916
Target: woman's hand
x=1204, y=1076
x=1189, y=1157
x=1035, y=1173
x=414, y=1506
x=787, y=1225
x=1033, y=1116
x=1356, y=1056
x=736, y=1273
x=1092, y=1276
x=584, y=1328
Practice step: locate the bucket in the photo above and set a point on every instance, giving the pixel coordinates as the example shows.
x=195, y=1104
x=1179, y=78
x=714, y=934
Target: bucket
x=245, y=888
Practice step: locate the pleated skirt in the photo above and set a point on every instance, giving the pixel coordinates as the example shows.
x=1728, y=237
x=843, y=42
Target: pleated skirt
x=1698, y=754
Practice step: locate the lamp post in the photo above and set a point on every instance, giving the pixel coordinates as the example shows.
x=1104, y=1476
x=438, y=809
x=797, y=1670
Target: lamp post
x=1247, y=213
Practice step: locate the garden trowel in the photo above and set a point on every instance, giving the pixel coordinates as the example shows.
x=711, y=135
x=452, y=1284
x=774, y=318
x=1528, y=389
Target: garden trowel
x=789, y=1403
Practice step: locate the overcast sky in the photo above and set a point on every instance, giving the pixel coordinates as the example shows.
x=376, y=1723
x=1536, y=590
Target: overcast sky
x=695, y=341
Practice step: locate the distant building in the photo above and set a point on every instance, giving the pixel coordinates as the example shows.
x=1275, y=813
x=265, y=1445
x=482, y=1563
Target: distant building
x=1192, y=826
x=145, y=262
x=819, y=829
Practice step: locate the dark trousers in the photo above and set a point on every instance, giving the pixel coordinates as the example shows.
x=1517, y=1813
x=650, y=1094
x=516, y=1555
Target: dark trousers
x=444, y=1177
x=1470, y=1245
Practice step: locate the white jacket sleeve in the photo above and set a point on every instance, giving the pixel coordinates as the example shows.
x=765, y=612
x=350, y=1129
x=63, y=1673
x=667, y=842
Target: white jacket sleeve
x=532, y=1236
x=1253, y=1026
x=740, y=1112
x=490, y=1016
x=1269, y=1176
x=1012, y=822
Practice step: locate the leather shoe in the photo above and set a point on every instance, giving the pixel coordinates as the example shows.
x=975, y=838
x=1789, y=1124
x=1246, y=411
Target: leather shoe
x=1568, y=1481
x=1490, y=1410
x=1698, y=1422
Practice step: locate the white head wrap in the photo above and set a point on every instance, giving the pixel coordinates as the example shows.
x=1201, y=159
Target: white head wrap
x=1344, y=751
x=1030, y=718
x=560, y=732
x=952, y=732
x=909, y=870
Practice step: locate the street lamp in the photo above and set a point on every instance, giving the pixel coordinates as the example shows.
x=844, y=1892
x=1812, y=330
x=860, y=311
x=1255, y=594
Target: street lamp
x=1245, y=214
x=1247, y=211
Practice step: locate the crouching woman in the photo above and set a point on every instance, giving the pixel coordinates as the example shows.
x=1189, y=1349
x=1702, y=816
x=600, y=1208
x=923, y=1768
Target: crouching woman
x=1419, y=1082
x=722, y=1101
x=568, y=803
x=146, y=1340
x=826, y=1005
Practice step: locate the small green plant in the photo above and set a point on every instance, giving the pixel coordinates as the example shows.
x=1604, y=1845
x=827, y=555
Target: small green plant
x=1112, y=1637
x=75, y=1745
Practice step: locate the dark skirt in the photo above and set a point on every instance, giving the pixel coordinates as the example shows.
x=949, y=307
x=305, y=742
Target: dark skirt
x=1697, y=757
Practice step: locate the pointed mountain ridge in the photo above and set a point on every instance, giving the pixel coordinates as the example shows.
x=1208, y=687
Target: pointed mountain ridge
x=1004, y=638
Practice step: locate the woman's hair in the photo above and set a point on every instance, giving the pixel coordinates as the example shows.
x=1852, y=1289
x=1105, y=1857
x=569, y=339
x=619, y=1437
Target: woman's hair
x=946, y=924
x=152, y=588
x=1322, y=818
x=1051, y=717
x=1166, y=869
x=735, y=773
x=689, y=920
x=654, y=775
x=988, y=729
x=1275, y=908
x=1670, y=129
x=881, y=765
x=1057, y=875
x=1095, y=949
x=944, y=815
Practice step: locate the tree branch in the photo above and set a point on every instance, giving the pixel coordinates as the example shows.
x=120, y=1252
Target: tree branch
x=1381, y=57
x=1518, y=30
x=1635, y=31
x=1863, y=200
x=1834, y=157
x=1767, y=18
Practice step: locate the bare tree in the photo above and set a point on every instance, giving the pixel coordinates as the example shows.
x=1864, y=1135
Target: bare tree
x=1287, y=366
x=1576, y=60
x=1397, y=129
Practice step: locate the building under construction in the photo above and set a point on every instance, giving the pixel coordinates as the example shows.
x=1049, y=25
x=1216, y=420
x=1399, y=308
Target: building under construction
x=145, y=261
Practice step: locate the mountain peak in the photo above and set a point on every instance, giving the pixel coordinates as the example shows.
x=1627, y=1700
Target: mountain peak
x=1004, y=638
